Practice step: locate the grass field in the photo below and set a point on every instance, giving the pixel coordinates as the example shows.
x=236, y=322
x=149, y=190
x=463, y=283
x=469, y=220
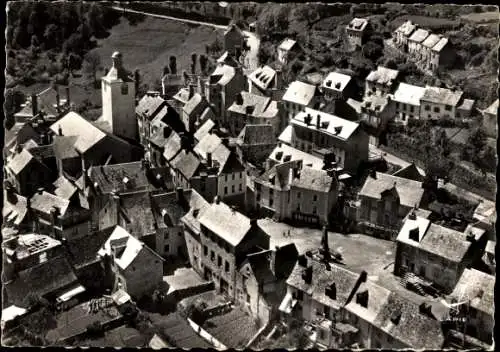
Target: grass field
x=483, y=17
x=148, y=45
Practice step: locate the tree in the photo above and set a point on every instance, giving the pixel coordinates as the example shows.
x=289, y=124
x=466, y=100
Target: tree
x=203, y=64
x=137, y=80
x=173, y=65
x=166, y=70
x=282, y=22
x=92, y=62
x=51, y=36
x=372, y=51
x=193, y=63
x=74, y=62
x=477, y=139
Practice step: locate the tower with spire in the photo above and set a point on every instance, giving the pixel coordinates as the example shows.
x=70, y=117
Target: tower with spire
x=118, y=100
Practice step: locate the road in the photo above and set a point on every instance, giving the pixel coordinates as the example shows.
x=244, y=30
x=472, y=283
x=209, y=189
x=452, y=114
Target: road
x=252, y=58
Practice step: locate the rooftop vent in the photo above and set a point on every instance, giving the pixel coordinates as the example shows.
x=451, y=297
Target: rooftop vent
x=338, y=129
x=287, y=158
x=328, y=83
x=337, y=85
x=279, y=155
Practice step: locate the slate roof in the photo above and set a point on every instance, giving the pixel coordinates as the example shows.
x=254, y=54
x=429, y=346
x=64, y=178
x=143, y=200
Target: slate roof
x=195, y=105
x=287, y=44
x=419, y=35
x=222, y=75
x=263, y=77
x=41, y=279
x=83, y=250
x=172, y=147
x=133, y=248
x=295, y=154
x=411, y=172
x=177, y=331
x=112, y=177
x=186, y=163
x=344, y=280
x=197, y=206
x=358, y=24
x=377, y=298
x=493, y=108
x=431, y=40
x=414, y=329
x=64, y=188
x=175, y=209
x=259, y=104
x=257, y=134
x=64, y=147
x=45, y=202
x=477, y=286
x=314, y=180
x=440, y=45
x=439, y=240
x=234, y=328
x=20, y=161
x=149, y=106
x=408, y=94
x=300, y=93
x=406, y=28
x=11, y=135
x=383, y=75
x=204, y=130
x=442, y=96
x=347, y=128
x=336, y=81
x=213, y=144
x=410, y=192
x=16, y=210
x=73, y=124
x=261, y=266
x=137, y=208
x=230, y=225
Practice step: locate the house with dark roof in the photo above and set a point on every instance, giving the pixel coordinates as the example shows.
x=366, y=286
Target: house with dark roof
x=95, y=146
x=221, y=88
x=410, y=172
x=434, y=253
x=298, y=193
x=254, y=109
x=255, y=143
x=474, y=296
x=26, y=173
x=261, y=280
x=402, y=324
x=381, y=81
x=137, y=269
x=385, y=202
x=19, y=134
x=215, y=155
x=15, y=213
x=357, y=31
x=60, y=216
x=312, y=130
x=227, y=237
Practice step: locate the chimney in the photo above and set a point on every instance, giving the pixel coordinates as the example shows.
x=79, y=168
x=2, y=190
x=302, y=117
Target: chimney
x=324, y=245
x=338, y=129
x=54, y=212
x=373, y=173
x=19, y=148
x=11, y=195
x=412, y=215
x=84, y=174
x=117, y=59
x=249, y=109
x=34, y=104
x=331, y=291
x=470, y=236
x=318, y=122
x=209, y=159
x=307, y=275
x=191, y=91
x=59, y=130
x=337, y=85
x=68, y=101
x=396, y=317
x=216, y=200
x=164, y=85
x=179, y=194
x=425, y=309
x=116, y=203
x=40, y=190
x=239, y=99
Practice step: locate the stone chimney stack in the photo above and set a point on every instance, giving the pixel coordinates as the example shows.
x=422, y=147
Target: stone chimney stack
x=117, y=60
x=54, y=213
x=179, y=194
x=209, y=159
x=191, y=91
